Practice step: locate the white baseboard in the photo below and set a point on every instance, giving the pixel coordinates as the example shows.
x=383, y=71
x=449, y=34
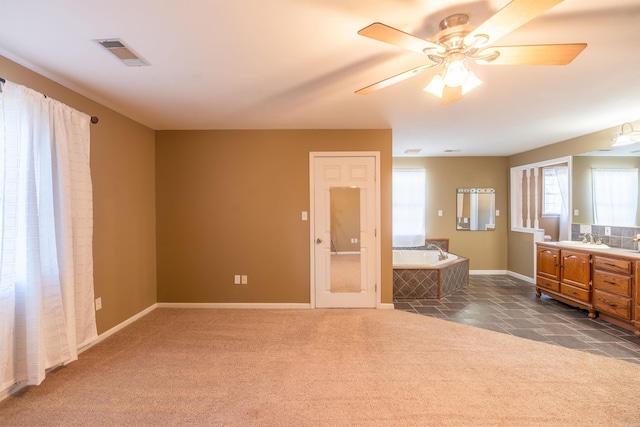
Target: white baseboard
x=385, y=306
x=521, y=277
x=118, y=327
x=486, y=272
x=233, y=305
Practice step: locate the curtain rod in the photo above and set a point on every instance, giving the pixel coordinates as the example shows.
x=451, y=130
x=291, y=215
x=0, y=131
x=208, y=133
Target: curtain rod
x=94, y=119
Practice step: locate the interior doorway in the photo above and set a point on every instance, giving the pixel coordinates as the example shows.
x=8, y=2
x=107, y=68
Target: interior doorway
x=345, y=243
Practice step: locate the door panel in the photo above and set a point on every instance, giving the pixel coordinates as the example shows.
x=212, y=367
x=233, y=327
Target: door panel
x=345, y=271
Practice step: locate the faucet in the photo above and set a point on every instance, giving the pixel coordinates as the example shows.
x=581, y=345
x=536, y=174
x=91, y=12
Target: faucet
x=443, y=255
x=591, y=238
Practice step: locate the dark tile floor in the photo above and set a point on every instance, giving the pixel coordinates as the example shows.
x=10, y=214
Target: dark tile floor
x=509, y=305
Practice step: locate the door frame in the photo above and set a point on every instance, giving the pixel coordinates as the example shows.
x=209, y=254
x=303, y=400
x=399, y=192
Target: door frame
x=312, y=246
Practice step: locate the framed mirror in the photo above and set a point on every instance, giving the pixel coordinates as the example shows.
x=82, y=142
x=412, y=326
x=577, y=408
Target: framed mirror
x=345, y=239
x=476, y=209
x=584, y=192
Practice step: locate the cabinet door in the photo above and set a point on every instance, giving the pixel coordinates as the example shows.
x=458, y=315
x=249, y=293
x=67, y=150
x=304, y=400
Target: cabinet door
x=576, y=268
x=637, y=298
x=548, y=264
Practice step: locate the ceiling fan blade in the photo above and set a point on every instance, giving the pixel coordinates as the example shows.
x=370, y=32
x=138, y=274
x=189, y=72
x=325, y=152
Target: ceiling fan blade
x=510, y=17
x=395, y=79
x=545, y=54
x=451, y=94
x=387, y=34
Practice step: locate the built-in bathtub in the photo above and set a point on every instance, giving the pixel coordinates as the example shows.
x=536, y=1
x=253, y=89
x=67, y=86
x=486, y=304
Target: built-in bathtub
x=420, y=274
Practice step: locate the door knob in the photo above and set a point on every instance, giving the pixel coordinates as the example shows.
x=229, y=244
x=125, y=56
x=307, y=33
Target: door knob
x=318, y=241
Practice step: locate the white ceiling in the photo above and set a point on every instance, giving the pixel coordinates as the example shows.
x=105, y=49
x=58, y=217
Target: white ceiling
x=295, y=64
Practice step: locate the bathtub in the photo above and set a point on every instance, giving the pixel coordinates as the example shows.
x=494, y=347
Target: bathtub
x=419, y=274
x=419, y=258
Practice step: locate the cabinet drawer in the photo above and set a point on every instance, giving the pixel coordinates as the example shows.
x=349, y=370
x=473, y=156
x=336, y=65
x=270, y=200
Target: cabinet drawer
x=612, y=264
x=575, y=293
x=611, y=282
x=548, y=284
x=612, y=304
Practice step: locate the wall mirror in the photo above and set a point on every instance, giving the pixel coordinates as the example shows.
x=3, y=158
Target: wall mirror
x=625, y=157
x=345, y=239
x=476, y=209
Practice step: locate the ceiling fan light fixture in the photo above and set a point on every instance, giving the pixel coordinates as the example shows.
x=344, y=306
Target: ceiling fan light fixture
x=437, y=84
x=626, y=138
x=456, y=72
x=471, y=83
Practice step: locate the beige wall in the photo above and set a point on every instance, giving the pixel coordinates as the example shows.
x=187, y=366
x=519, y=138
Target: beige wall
x=123, y=174
x=486, y=250
x=230, y=202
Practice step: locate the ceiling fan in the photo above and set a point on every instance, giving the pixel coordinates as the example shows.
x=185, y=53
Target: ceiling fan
x=458, y=42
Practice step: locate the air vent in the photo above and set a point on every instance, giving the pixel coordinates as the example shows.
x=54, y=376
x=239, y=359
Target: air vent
x=124, y=53
x=413, y=150
x=452, y=151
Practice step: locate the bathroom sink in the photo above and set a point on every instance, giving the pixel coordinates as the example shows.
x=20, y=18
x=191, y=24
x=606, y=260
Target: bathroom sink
x=578, y=244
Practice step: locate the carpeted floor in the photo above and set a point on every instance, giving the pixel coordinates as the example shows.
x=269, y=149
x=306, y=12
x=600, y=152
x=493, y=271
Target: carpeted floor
x=326, y=368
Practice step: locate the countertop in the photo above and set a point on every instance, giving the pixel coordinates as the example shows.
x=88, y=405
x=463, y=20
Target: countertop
x=627, y=253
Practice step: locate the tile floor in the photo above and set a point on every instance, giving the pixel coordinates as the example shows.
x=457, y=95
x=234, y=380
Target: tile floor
x=509, y=305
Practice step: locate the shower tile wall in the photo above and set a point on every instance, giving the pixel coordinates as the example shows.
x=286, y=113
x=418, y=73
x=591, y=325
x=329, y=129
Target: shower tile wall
x=621, y=237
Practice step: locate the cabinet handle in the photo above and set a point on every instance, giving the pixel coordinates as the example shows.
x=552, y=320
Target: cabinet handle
x=609, y=282
x=609, y=264
x=609, y=304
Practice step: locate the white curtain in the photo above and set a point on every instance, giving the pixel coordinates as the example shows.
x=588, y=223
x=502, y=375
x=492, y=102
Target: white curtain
x=615, y=196
x=46, y=231
x=562, y=176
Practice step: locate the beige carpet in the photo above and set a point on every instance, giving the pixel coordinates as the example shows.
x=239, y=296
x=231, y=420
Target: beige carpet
x=326, y=368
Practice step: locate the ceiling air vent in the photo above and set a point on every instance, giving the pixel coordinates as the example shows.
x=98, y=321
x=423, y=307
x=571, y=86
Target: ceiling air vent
x=124, y=53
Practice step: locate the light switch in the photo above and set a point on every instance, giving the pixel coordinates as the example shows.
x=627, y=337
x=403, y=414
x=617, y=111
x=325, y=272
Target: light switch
x=497, y=212
x=440, y=212
x=304, y=215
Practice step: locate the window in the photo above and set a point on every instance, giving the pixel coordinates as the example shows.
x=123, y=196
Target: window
x=551, y=195
x=615, y=196
x=409, y=200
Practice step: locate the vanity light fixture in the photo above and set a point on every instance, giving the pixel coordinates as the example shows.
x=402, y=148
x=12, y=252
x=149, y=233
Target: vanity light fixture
x=626, y=137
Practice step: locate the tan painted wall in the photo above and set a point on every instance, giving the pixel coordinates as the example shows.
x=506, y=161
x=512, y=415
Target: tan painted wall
x=230, y=202
x=123, y=173
x=486, y=250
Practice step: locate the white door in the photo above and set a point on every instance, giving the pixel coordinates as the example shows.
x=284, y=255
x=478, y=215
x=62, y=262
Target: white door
x=344, y=240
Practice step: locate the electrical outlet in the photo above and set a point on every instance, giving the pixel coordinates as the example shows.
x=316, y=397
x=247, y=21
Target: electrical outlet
x=236, y=279
x=98, y=304
x=244, y=279
x=607, y=231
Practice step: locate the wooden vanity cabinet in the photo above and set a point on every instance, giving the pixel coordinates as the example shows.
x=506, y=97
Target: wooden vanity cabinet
x=606, y=283
x=565, y=275
x=612, y=286
x=636, y=309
